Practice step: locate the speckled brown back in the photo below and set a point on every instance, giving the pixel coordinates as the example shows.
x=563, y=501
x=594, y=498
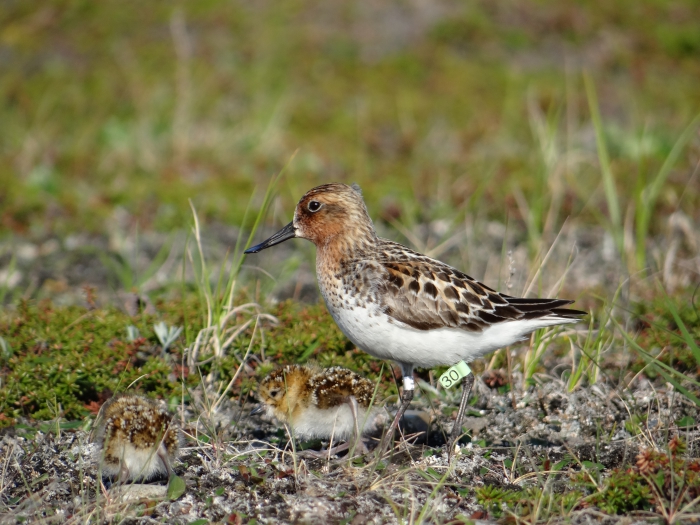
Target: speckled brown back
x=335, y=385
x=144, y=423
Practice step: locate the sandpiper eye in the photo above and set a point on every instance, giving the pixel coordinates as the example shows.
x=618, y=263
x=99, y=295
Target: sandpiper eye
x=274, y=392
x=314, y=206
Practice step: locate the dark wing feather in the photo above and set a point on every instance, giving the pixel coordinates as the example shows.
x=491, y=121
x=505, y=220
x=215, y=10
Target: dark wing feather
x=427, y=294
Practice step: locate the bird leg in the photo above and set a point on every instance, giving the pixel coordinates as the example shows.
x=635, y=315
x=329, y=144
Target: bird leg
x=124, y=474
x=359, y=446
x=163, y=455
x=353, y=408
x=467, y=384
x=324, y=453
x=409, y=386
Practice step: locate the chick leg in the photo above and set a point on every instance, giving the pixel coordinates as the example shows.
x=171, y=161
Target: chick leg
x=123, y=475
x=321, y=454
x=358, y=444
x=163, y=455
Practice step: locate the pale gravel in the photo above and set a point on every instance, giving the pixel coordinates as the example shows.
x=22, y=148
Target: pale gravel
x=54, y=479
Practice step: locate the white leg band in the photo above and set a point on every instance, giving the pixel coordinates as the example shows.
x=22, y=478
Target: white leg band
x=408, y=383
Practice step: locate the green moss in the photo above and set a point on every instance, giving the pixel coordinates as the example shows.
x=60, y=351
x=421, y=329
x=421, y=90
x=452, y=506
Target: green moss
x=659, y=334
x=73, y=357
x=623, y=492
x=530, y=501
x=659, y=480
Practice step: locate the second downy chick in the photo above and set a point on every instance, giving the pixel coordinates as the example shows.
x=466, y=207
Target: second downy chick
x=138, y=438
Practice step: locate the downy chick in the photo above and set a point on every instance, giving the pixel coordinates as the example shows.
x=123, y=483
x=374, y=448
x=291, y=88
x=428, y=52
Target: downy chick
x=138, y=438
x=319, y=403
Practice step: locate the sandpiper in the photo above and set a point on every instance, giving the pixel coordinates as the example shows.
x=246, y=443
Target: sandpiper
x=138, y=438
x=395, y=303
x=320, y=403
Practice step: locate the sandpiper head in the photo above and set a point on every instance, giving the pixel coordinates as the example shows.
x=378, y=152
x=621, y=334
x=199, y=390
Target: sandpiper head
x=285, y=391
x=138, y=437
x=322, y=214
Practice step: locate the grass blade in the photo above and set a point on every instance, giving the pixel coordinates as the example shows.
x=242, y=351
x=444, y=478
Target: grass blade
x=611, y=195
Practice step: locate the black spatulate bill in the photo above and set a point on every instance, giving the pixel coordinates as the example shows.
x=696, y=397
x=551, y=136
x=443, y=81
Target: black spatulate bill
x=285, y=233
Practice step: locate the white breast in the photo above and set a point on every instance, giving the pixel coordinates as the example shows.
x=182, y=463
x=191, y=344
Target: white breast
x=142, y=463
x=316, y=423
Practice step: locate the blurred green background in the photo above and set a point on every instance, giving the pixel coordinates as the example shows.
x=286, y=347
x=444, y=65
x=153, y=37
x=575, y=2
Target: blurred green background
x=435, y=108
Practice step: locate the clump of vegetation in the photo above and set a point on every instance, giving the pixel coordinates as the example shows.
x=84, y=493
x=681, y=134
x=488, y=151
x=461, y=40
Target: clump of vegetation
x=65, y=361
x=532, y=503
x=494, y=499
x=72, y=358
x=678, y=361
x=661, y=322
x=664, y=482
